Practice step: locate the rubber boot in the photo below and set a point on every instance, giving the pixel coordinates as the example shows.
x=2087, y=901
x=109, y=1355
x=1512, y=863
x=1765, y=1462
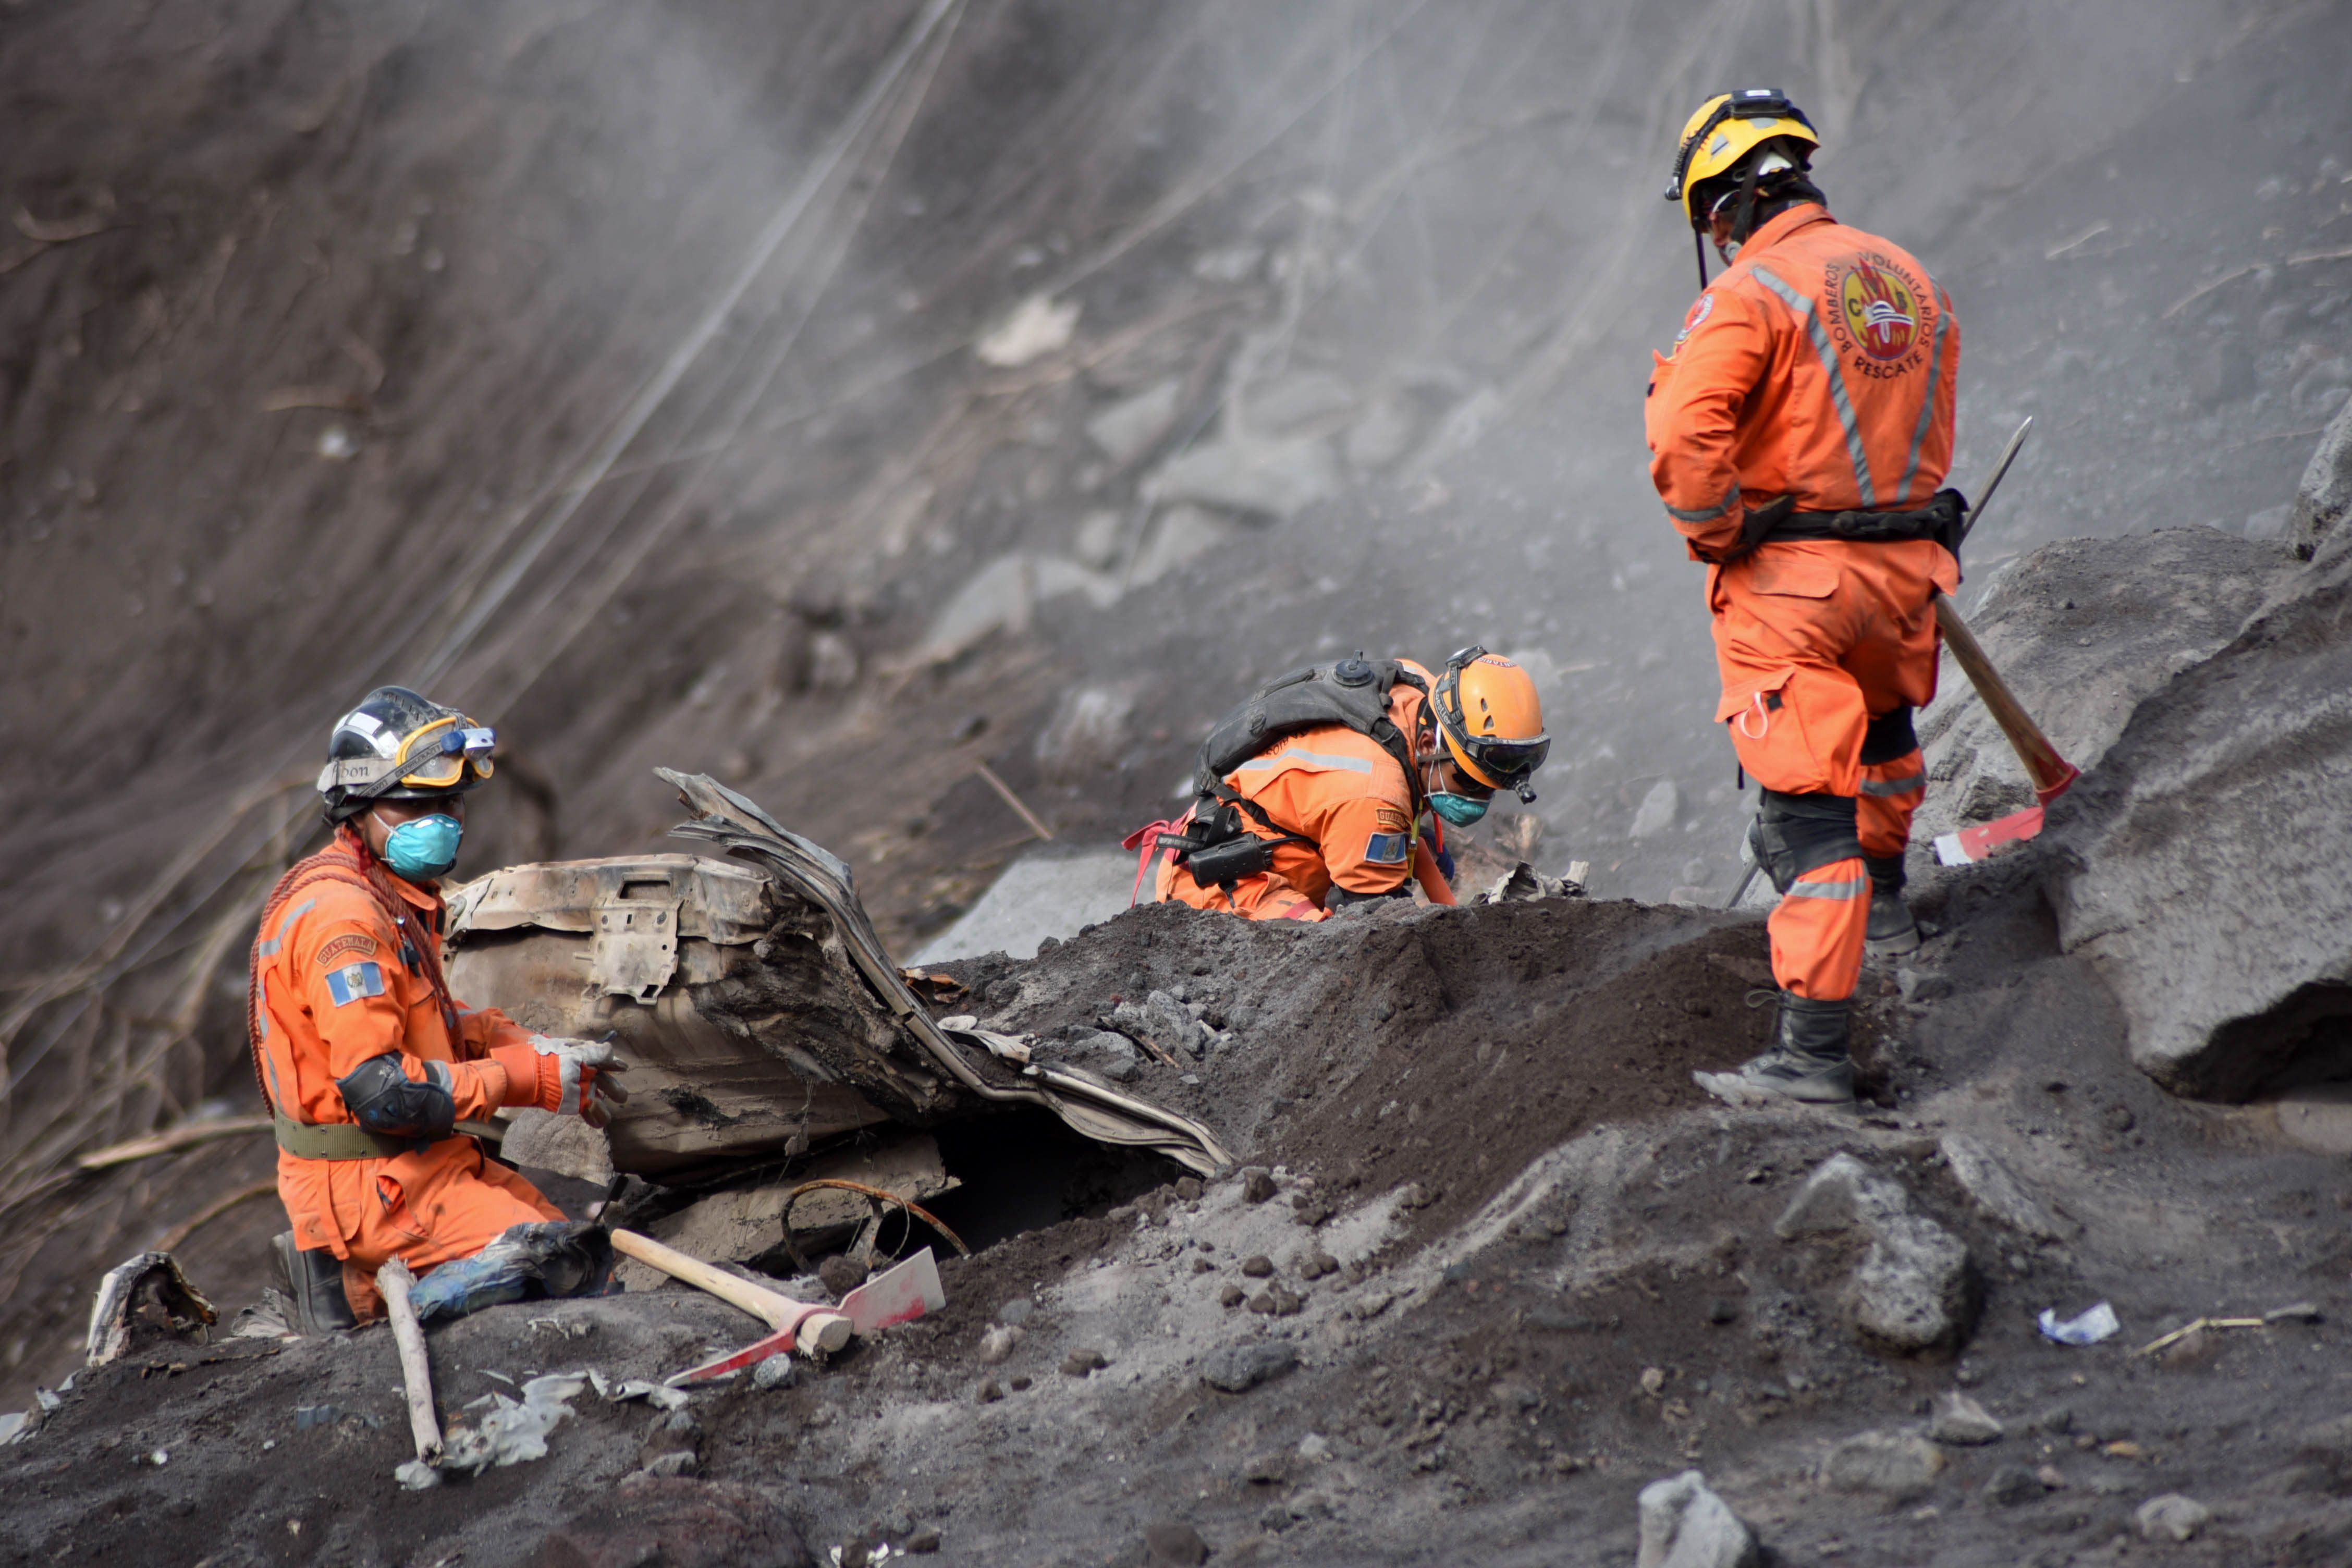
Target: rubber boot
x=1808, y=1060
x=314, y=1285
x=1892, y=931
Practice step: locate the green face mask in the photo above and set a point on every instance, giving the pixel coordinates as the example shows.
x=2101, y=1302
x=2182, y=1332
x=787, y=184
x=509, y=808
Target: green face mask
x=1458, y=810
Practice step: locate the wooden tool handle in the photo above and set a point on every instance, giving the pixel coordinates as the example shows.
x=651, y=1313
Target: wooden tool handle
x=771, y=1307
x=393, y=1281
x=2050, y=771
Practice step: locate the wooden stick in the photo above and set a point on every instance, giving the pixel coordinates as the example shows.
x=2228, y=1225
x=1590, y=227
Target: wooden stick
x=1004, y=793
x=170, y=1142
x=2050, y=771
x=815, y=1326
x=394, y=1280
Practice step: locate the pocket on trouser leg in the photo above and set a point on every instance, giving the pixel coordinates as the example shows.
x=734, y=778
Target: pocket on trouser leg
x=1888, y=795
x=1818, y=930
x=1797, y=730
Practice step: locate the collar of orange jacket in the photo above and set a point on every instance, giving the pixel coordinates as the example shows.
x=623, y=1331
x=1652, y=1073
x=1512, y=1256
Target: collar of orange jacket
x=1782, y=225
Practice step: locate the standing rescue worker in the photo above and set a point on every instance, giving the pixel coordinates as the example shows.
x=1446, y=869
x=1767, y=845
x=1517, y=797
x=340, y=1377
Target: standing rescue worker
x=1800, y=430
x=367, y=1062
x=1329, y=814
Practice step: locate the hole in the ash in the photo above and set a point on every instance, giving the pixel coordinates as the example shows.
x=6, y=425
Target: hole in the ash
x=1023, y=1171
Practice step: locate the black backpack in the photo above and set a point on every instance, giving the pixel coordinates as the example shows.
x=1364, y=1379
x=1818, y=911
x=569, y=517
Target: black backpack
x=1354, y=693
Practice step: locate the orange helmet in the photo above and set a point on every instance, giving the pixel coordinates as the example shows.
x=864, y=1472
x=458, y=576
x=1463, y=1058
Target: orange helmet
x=1492, y=720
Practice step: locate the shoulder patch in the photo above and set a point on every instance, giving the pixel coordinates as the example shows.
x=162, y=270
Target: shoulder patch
x=1699, y=311
x=359, y=944
x=1386, y=849
x=354, y=982
x=1391, y=818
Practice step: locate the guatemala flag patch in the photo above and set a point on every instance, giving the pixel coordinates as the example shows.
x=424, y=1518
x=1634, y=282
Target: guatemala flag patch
x=1387, y=849
x=355, y=981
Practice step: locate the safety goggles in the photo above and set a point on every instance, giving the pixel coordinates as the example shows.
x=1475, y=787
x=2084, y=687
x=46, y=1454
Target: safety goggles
x=1508, y=762
x=438, y=755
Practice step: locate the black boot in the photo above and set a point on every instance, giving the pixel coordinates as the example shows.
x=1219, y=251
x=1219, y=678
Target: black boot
x=1892, y=931
x=314, y=1285
x=1808, y=1060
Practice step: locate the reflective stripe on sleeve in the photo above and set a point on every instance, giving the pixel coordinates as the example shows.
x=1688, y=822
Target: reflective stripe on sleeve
x=1895, y=787
x=1706, y=513
x=268, y=948
x=1802, y=308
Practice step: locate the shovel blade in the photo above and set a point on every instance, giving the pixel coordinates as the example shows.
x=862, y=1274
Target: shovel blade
x=910, y=1291
x=1978, y=842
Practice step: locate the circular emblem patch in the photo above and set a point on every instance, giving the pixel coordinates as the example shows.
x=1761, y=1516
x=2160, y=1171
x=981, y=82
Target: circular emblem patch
x=1880, y=307
x=1699, y=312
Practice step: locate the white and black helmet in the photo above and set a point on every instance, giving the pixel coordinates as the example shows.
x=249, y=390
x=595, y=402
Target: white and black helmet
x=397, y=745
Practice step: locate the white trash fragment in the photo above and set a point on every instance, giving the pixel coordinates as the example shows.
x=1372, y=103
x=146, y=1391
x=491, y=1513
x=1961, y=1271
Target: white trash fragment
x=418, y=1476
x=653, y=1393
x=12, y=1427
x=1036, y=328
x=2089, y=1329
x=512, y=1432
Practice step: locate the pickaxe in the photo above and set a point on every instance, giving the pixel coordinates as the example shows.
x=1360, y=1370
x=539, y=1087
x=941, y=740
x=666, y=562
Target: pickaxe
x=907, y=1291
x=2050, y=771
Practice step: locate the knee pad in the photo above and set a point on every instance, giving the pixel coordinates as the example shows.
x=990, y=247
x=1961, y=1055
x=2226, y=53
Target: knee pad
x=1794, y=834
x=1889, y=737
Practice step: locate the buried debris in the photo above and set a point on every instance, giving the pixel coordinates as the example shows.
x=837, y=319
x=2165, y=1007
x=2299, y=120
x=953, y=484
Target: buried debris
x=145, y=1300
x=760, y=1014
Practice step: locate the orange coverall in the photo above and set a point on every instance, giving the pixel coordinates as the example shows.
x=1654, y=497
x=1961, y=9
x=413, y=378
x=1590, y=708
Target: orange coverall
x=1821, y=365
x=1341, y=791
x=338, y=980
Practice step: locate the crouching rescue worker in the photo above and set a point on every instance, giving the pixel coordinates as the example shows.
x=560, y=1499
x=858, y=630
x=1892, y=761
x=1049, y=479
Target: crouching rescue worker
x=1800, y=431
x=368, y=1063
x=1333, y=785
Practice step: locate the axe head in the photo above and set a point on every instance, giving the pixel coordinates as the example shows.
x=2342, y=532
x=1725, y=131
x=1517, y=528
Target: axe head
x=1982, y=840
x=818, y=1332
x=909, y=1290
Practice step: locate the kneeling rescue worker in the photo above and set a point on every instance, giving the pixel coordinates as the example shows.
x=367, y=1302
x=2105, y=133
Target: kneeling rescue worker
x=1800, y=430
x=1314, y=793
x=366, y=1060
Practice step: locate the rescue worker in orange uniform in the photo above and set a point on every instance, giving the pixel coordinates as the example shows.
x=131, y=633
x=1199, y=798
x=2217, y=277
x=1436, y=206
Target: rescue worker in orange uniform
x=1335, y=812
x=1800, y=430
x=366, y=1060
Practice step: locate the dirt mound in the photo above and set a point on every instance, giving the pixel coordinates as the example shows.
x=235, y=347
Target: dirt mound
x=1442, y=1046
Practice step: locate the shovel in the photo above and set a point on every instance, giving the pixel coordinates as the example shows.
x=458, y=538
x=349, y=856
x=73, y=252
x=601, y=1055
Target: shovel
x=2050, y=771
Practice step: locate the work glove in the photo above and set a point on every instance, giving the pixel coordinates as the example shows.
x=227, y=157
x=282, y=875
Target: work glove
x=573, y=1079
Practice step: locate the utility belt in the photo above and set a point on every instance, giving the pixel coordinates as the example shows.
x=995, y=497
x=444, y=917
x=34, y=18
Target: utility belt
x=1217, y=847
x=1939, y=519
x=343, y=1140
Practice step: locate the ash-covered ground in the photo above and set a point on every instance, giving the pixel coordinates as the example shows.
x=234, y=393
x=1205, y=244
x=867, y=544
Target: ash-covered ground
x=1524, y=1267
x=1107, y=360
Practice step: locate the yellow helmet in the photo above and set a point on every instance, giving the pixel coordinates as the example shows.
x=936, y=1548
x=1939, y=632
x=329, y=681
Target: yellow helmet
x=1492, y=721
x=1727, y=128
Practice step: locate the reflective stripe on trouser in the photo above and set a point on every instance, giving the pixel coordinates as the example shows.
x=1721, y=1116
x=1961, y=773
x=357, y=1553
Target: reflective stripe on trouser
x=1890, y=792
x=1267, y=897
x=1818, y=929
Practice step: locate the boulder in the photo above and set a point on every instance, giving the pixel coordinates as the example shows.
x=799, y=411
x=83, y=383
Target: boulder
x=1915, y=1287
x=2085, y=631
x=1962, y=1421
x=1896, y=1466
x=1685, y=1525
x=2171, y=1517
x=2199, y=869
x=1999, y=1192
x=2324, y=496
